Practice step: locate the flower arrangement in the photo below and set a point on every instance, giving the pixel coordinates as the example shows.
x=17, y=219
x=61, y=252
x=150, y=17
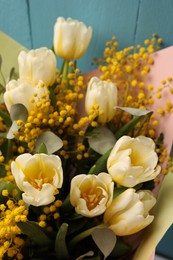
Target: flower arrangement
x=80, y=153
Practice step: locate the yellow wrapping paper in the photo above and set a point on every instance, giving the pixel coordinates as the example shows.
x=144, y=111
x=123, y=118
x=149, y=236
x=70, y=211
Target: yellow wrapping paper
x=163, y=212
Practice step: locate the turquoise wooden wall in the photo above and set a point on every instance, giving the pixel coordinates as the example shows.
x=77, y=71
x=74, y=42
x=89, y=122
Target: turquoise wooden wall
x=31, y=22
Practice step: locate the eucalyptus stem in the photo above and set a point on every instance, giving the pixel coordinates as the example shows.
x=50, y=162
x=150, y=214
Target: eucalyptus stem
x=84, y=234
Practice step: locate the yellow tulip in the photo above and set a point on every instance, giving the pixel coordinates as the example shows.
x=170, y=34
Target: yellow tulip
x=36, y=65
x=39, y=176
x=71, y=38
x=133, y=161
x=91, y=194
x=104, y=94
x=129, y=212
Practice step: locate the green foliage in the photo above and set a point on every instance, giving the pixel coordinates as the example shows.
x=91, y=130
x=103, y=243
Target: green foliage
x=60, y=243
x=35, y=232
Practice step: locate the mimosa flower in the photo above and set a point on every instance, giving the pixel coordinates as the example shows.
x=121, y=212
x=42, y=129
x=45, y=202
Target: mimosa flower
x=133, y=161
x=36, y=65
x=129, y=212
x=71, y=38
x=19, y=91
x=39, y=176
x=104, y=94
x=91, y=194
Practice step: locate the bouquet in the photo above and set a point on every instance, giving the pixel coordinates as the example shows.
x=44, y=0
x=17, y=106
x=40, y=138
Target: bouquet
x=81, y=156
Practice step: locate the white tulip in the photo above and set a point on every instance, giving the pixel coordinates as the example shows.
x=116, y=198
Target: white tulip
x=91, y=194
x=129, y=212
x=21, y=92
x=133, y=161
x=104, y=94
x=39, y=176
x=36, y=65
x=71, y=38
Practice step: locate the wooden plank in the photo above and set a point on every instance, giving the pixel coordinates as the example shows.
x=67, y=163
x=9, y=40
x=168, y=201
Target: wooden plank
x=155, y=17
x=14, y=20
x=107, y=18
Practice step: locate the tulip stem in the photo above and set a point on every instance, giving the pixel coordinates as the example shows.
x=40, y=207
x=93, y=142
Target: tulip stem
x=64, y=70
x=84, y=234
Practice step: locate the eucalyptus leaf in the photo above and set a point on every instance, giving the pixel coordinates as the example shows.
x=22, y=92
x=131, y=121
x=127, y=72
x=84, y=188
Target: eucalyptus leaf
x=14, y=128
x=105, y=239
x=52, y=142
x=101, y=139
x=60, y=243
x=18, y=112
x=134, y=111
x=35, y=232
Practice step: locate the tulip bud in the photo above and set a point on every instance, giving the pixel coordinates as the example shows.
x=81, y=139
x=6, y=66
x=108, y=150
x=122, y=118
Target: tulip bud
x=19, y=91
x=104, y=94
x=36, y=65
x=129, y=212
x=71, y=38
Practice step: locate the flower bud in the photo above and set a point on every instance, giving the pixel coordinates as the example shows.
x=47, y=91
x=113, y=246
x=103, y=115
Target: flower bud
x=129, y=212
x=18, y=91
x=36, y=65
x=104, y=94
x=71, y=38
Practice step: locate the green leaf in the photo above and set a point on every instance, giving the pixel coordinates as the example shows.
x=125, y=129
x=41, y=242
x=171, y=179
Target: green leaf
x=6, y=118
x=10, y=187
x=2, y=170
x=42, y=149
x=11, y=73
x=118, y=191
x=52, y=142
x=120, y=249
x=128, y=127
x=2, y=89
x=35, y=232
x=101, y=164
x=105, y=239
x=0, y=61
x=101, y=139
x=6, y=149
x=60, y=243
